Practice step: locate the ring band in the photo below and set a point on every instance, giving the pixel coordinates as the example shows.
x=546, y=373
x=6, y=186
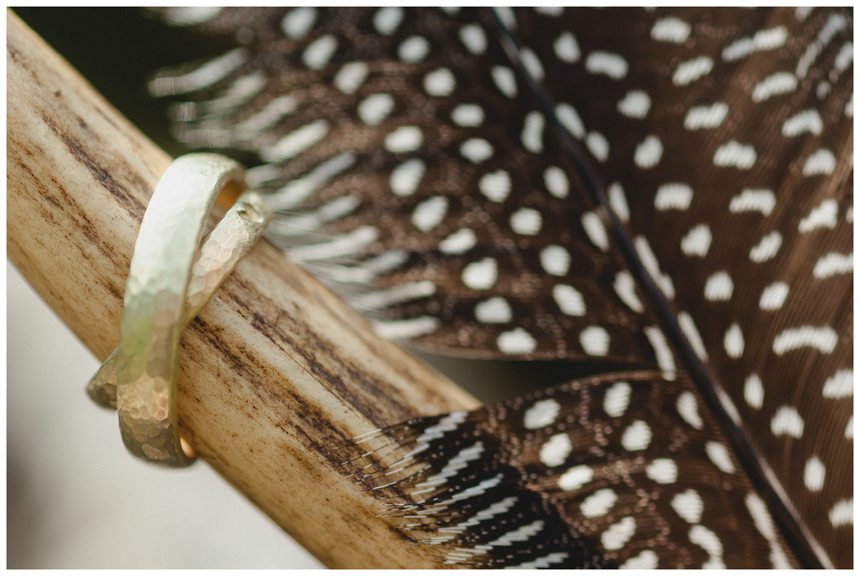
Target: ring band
x=228, y=243
x=165, y=290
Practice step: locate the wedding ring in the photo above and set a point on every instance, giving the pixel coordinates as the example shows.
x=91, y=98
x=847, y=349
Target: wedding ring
x=166, y=288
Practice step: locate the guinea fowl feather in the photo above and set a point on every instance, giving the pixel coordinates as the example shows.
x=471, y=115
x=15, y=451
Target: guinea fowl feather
x=670, y=189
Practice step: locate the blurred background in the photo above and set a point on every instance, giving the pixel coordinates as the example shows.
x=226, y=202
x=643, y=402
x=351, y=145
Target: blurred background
x=75, y=498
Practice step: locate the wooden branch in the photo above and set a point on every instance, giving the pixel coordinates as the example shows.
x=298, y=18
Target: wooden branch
x=275, y=372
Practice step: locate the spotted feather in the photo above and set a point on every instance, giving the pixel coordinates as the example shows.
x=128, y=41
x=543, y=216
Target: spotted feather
x=520, y=183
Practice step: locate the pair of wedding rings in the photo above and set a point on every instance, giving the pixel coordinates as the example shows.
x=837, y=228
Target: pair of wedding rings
x=170, y=279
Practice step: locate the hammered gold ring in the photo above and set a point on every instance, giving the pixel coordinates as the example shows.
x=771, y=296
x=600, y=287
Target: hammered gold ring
x=166, y=288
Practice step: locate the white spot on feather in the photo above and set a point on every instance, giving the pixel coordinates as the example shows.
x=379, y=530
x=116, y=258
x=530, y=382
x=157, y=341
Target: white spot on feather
x=688, y=408
x=688, y=505
x=753, y=201
x=532, y=136
x=556, y=182
x=494, y=311
x=773, y=296
x=616, y=399
x=569, y=118
x=712, y=545
x=719, y=455
x=833, y=263
x=351, y=76
x=317, y=55
x=766, y=248
x=542, y=562
x=526, y=221
x=662, y=471
x=476, y=150
x=495, y=185
x=298, y=22
x=617, y=535
x=671, y=30
x=625, y=287
x=719, y=287
x=599, y=503
x=404, y=139
x=598, y=145
x=459, y=242
x=761, y=517
x=541, y=414
x=440, y=82
x=406, y=177
x=413, y=49
x=569, y=300
x=806, y=121
x=618, y=202
x=575, y=478
x=387, y=19
x=821, y=161
x=612, y=65
x=517, y=341
x=697, y=241
x=692, y=70
x=480, y=275
x=842, y=513
x=729, y=406
x=473, y=38
x=551, y=11
x=649, y=261
x=429, y=213
x=555, y=260
x=665, y=358
x=773, y=85
x=733, y=341
x=506, y=15
x=839, y=385
x=824, y=339
x=824, y=215
x=734, y=153
x=754, y=391
x=554, y=452
x=468, y=115
x=375, y=108
x=636, y=437
x=596, y=231
x=532, y=64
x=594, y=340
x=813, y=474
x=635, y=104
x=566, y=48
x=504, y=79
x=645, y=560
x=787, y=421
x=706, y=116
x=769, y=39
x=648, y=152
x=674, y=196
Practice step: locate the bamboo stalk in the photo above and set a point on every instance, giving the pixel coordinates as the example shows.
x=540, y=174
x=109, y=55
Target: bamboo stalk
x=274, y=373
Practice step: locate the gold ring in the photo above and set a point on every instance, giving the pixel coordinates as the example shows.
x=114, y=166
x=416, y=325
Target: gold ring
x=166, y=289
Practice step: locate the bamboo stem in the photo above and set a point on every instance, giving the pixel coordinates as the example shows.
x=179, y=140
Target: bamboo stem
x=274, y=373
